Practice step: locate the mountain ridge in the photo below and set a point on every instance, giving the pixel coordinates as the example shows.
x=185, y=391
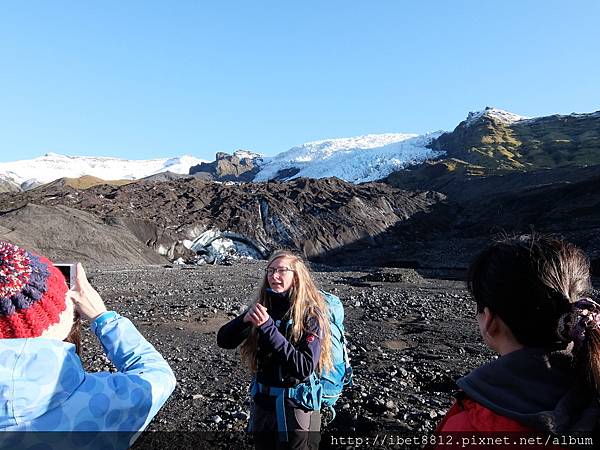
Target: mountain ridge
x=504, y=142
x=487, y=142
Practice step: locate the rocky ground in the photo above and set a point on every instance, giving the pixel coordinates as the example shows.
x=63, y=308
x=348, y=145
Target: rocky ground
x=410, y=337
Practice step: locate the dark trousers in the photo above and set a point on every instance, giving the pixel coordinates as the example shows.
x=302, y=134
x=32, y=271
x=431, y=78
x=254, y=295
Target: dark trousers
x=303, y=429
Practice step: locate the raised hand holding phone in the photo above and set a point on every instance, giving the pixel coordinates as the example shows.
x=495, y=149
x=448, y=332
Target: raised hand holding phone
x=86, y=299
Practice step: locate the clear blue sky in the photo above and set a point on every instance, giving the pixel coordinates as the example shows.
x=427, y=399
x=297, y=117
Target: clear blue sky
x=146, y=79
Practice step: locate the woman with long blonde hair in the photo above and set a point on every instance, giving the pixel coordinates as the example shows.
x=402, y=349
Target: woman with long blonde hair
x=285, y=338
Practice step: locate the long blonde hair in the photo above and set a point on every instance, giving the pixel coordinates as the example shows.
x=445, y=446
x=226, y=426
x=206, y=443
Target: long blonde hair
x=306, y=302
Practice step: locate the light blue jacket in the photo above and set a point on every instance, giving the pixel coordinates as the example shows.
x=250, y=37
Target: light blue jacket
x=43, y=387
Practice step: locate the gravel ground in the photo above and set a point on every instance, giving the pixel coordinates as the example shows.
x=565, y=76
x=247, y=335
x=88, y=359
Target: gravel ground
x=409, y=339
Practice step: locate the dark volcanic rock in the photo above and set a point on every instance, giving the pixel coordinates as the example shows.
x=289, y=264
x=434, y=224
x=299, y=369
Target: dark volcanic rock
x=312, y=216
x=237, y=167
x=162, y=176
x=461, y=184
x=562, y=201
x=67, y=234
x=394, y=276
x=338, y=223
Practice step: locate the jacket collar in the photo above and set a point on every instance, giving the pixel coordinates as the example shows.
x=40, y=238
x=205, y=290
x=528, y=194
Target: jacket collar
x=280, y=304
x=538, y=387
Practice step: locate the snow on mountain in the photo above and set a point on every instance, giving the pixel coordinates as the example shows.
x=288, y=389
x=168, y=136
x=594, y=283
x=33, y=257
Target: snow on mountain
x=53, y=166
x=247, y=154
x=357, y=159
x=495, y=113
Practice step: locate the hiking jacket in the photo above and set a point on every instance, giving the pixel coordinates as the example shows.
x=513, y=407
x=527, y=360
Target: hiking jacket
x=279, y=362
x=531, y=389
x=43, y=387
x=467, y=416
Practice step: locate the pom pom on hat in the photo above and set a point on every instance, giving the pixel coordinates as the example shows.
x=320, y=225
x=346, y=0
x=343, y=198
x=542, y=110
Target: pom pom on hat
x=32, y=294
x=14, y=269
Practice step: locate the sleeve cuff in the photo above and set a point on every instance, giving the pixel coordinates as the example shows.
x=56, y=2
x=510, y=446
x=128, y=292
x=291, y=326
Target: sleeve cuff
x=103, y=319
x=265, y=326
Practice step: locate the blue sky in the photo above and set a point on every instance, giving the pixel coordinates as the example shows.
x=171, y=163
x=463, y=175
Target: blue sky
x=148, y=79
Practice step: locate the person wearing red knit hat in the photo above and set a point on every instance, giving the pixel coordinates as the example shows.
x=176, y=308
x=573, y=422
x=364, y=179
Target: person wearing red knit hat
x=43, y=386
x=33, y=295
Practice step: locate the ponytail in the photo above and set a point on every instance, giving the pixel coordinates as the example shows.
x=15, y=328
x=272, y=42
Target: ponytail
x=581, y=325
x=592, y=358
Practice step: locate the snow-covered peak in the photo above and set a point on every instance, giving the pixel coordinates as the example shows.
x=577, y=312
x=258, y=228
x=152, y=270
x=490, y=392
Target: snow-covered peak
x=494, y=113
x=247, y=154
x=53, y=166
x=357, y=159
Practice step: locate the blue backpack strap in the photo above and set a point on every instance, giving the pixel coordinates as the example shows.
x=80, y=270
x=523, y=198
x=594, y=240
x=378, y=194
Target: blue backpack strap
x=253, y=387
x=348, y=371
x=313, y=388
x=280, y=395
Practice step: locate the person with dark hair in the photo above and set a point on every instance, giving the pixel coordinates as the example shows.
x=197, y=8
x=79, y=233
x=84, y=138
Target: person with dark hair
x=528, y=291
x=284, y=338
x=43, y=386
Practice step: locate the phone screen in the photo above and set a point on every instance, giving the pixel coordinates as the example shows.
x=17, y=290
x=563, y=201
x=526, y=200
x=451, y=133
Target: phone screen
x=68, y=271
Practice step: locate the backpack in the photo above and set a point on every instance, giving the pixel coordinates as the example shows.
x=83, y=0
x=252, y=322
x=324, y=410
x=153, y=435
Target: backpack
x=325, y=389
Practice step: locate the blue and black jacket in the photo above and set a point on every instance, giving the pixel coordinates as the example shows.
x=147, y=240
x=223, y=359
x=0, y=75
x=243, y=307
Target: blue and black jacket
x=44, y=388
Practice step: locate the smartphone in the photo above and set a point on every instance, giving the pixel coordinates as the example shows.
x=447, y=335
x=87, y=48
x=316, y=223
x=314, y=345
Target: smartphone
x=69, y=271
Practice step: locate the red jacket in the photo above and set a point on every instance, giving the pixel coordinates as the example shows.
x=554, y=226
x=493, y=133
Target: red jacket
x=468, y=421
x=529, y=393
x=467, y=415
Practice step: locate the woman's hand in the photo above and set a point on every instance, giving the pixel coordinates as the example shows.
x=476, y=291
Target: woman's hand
x=257, y=315
x=87, y=301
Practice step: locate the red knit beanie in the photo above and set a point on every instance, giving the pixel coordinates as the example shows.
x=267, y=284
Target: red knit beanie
x=32, y=293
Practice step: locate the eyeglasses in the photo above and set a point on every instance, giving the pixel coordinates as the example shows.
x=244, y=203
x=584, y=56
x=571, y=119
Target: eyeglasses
x=280, y=271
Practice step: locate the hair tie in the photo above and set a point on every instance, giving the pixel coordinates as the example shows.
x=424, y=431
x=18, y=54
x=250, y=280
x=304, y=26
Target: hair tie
x=573, y=325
